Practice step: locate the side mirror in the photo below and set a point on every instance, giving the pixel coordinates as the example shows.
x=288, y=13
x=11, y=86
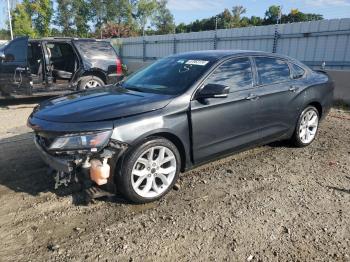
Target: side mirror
x=213, y=91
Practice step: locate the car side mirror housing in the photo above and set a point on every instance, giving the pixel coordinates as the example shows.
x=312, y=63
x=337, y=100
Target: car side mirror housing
x=213, y=91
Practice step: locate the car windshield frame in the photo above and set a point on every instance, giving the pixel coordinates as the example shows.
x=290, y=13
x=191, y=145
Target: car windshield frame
x=172, y=75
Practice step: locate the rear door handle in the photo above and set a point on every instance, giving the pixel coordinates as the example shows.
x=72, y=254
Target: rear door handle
x=293, y=89
x=252, y=97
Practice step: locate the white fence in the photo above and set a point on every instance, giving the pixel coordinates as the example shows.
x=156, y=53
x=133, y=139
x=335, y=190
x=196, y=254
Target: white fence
x=311, y=42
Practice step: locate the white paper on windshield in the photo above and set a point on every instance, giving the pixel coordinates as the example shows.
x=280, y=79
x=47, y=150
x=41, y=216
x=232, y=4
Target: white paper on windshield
x=197, y=62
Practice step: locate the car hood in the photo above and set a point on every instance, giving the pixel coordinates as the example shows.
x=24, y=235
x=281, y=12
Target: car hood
x=99, y=104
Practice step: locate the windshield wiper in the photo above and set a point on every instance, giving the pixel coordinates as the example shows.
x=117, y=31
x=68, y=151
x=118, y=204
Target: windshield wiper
x=135, y=88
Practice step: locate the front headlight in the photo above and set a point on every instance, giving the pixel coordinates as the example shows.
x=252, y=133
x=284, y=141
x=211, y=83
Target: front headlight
x=91, y=141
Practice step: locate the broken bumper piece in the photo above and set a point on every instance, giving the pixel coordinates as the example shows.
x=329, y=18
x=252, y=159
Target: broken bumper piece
x=58, y=164
x=91, y=169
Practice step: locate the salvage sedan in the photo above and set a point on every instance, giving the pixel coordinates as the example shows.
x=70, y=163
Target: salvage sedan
x=184, y=110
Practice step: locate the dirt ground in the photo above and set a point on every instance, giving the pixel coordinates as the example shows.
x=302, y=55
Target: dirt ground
x=273, y=203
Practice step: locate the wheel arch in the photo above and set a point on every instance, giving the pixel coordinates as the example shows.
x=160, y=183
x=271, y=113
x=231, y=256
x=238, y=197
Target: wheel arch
x=96, y=72
x=176, y=140
x=318, y=106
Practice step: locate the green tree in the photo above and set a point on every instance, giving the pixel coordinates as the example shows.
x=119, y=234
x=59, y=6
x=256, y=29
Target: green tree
x=296, y=16
x=181, y=28
x=112, y=11
x=81, y=17
x=144, y=10
x=243, y=22
x=21, y=22
x=237, y=12
x=28, y=7
x=255, y=21
x=98, y=12
x=64, y=17
x=163, y=19
x=42, y=15
x=225, y=19
x=124, y=15
x=272, y=14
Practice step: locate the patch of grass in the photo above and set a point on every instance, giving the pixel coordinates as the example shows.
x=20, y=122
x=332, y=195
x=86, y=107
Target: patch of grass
x=338, y=104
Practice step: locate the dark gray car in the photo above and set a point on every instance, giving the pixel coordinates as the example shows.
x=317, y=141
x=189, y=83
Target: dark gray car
x=178, y=113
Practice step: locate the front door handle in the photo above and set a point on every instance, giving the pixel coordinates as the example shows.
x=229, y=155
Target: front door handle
x=252, y=97
x=293, y=89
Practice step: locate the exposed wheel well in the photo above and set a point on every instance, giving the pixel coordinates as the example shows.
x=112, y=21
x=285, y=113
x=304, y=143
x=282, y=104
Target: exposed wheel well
x=97, y=74
x=318, y=107
x=179, y=145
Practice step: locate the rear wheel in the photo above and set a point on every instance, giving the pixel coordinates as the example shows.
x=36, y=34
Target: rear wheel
x=307, y=127
x=88, y=82
x=149, y=171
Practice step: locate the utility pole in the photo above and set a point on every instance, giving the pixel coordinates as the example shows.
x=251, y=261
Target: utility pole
x=279, y=19
x=216, y=34
x=10, y=22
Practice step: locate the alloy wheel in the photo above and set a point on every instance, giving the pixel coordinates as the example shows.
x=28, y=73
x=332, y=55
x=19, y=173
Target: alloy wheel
x=308, y=126
x=92, y=84
x=153, y=172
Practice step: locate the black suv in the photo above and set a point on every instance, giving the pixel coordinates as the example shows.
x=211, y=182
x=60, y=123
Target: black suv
x=35, y=66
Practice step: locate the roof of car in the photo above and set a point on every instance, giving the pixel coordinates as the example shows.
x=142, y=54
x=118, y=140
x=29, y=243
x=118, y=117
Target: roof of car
x=67, y=39
x=219, y=54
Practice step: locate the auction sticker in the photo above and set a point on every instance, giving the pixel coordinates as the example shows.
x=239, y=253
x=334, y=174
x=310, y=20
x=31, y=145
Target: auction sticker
x=197, y=62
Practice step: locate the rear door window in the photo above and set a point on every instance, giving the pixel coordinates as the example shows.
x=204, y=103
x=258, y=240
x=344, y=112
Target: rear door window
x=96, y=49
x=272, y=70
x=236, y=74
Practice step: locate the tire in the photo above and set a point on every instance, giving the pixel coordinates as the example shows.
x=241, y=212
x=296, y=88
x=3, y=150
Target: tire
x=88, y=82
x=307, y=127
x=140, y=178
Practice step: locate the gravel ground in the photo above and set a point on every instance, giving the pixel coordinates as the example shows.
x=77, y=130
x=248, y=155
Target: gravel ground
x=273, y=203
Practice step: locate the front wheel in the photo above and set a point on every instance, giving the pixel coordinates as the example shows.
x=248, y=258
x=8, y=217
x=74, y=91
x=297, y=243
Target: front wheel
x=306, y=128
x=149, y=171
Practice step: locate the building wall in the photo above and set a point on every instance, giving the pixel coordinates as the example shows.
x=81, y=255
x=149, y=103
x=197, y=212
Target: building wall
x=312, y=42
x=342, y=85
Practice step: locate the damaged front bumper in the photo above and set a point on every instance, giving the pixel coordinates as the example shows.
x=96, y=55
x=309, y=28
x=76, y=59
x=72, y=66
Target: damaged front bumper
x=77, y=164
x=65, y=165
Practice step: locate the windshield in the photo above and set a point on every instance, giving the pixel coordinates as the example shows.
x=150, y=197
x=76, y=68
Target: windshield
x=169, y=76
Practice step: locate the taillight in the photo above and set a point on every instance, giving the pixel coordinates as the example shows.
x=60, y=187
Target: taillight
x=119, y=67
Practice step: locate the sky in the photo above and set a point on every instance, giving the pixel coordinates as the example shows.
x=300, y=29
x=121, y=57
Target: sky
x=3, y=11
x=190, y=10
